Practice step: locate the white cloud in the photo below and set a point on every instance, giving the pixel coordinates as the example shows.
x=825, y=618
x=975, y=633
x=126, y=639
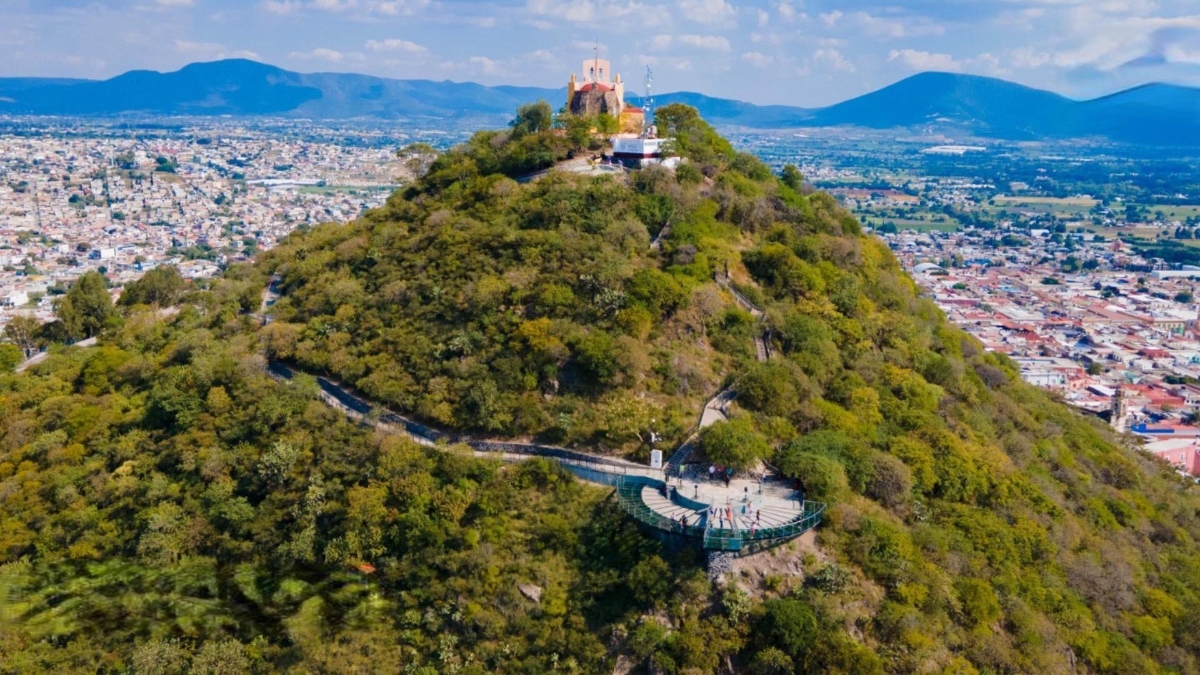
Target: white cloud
x=357, y=8
x=663, y=41
x=319, y=54
x=334, y=5
x=174, y=3
x=888, y=27
x=1028, y=58
x=708, y=11
x=832, y=59
x=712, y=42
x=395, y=45
x=212, y=50
x=606, y=12
x=203, y=48
x=281, y=6
x=921, y=61
x=830, y=18
x=484, y=64
x=397, y=7
x=758, y=59
x=1106, y=40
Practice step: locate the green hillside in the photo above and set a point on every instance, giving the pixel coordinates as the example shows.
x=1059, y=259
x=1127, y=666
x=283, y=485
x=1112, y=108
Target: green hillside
x=168, y=507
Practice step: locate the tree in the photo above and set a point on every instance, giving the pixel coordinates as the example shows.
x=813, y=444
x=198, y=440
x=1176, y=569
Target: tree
x=1095, y=368
x=23, y=330
x=1184, y=297
x=87, y=308
x=771, y=388
x=735, y=443
x=418, y=157
x=160, y=287
x=532, y=118
x=579, y=129
x=11, y=356
x=792, y=177
x=790, y=625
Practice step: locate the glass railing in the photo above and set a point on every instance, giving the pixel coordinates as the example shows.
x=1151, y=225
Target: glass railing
x=629, y=496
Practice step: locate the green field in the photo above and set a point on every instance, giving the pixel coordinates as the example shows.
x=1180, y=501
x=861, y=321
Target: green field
x=908, y=224
x=1173, y=212
x=343, y=189
x=1072, y=206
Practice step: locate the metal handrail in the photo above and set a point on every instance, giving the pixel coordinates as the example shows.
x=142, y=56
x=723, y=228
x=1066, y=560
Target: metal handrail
x=727, y=539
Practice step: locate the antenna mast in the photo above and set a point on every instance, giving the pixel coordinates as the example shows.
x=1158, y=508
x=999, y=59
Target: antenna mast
x=648, y=103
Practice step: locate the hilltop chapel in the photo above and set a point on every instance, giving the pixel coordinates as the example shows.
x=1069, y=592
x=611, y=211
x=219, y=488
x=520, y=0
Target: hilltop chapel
x=600, y=95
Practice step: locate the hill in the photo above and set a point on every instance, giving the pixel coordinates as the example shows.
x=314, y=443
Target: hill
x=992, y=107
x=945, y=102
x=169, y=507
x=247, y=88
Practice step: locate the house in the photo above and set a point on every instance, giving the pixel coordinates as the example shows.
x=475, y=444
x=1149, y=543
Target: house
x=1182, y=453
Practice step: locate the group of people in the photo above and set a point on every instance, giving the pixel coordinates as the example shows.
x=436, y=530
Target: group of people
x=724, y=473
x=720, y=516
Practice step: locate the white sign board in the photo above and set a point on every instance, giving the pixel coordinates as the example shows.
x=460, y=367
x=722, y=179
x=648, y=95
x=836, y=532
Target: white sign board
x=656, y=459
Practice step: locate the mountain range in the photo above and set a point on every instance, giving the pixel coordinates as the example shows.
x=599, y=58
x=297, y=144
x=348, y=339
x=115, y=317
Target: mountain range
x=1156, y=114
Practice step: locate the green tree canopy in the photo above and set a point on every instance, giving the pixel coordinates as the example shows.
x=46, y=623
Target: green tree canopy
x=24, y=331
x=161, y=287
x=87, y=307
x=735, y=443
x=533, y=118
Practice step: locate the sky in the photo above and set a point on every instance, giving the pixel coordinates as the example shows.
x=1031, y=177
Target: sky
x=796, y=52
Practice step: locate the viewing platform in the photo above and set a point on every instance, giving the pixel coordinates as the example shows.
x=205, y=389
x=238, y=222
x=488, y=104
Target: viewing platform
x=742, y=518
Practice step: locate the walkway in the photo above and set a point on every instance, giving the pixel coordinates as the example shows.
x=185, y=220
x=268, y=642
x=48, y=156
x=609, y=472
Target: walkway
x=359, y=409
x=762, y=342
x=42, y=356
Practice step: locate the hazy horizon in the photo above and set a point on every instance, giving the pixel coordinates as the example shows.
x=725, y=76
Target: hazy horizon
x=809, y=53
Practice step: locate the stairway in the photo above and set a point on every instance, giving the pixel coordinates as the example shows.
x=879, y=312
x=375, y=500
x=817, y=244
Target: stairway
x=760, y=349
x=654, y=498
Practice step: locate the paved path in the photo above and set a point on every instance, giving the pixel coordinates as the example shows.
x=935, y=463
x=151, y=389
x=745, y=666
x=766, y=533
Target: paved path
x=358, y=408
x=42, y=356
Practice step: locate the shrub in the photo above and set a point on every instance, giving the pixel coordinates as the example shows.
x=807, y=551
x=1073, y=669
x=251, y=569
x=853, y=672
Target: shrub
x=735, y=443
x=791, y=625
x=822, y=478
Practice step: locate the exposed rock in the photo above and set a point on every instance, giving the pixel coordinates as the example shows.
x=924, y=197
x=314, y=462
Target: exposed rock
x=530, y=591
x=720, y=564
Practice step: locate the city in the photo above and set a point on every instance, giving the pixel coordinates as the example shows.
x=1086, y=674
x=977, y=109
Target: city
x=78, y=196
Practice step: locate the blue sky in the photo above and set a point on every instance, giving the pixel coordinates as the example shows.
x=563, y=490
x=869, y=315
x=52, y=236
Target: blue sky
x=801, y=52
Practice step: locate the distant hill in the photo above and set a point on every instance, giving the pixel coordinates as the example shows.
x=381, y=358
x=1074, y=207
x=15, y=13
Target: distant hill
x=1151, y=114
x=989, y=106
